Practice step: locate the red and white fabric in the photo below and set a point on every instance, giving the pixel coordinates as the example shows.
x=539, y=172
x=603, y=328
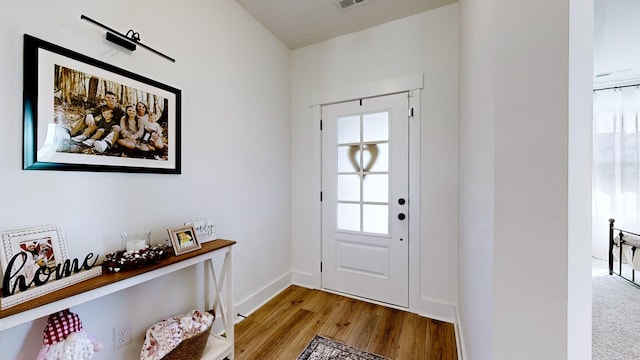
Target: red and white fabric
x=164, y=336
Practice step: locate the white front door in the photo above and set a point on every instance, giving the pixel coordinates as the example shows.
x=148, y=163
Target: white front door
x=365, y=220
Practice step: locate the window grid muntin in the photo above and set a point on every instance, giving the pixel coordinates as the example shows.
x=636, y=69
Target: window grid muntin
x=360, y=162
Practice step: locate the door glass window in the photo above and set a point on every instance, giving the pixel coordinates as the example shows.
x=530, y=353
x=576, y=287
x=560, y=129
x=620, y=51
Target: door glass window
x=375, y=188
x=363, y=172
x=378, y=156
x=348, y=188
x=348, y=216
x=375, y=218
x=375, y=127
x=348, y=129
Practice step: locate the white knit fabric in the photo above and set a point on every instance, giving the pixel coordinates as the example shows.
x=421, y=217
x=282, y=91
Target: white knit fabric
x=77, y=346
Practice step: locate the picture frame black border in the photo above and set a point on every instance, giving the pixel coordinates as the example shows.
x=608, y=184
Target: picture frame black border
x=30, y=111
x=177, y=249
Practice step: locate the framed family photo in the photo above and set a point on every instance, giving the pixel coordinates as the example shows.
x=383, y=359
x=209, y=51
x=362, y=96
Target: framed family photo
x=31, y=260
x=43, y=246
x=184, y=239
x=82, y=114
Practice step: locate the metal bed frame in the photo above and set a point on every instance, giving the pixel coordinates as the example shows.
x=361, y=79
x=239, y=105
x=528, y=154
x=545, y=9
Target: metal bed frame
x=621, y=233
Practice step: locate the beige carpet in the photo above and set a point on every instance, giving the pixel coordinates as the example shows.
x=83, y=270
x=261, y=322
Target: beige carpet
x=616, y=319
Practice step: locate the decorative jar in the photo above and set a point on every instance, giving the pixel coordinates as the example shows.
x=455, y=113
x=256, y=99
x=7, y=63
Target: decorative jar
x=135, y=240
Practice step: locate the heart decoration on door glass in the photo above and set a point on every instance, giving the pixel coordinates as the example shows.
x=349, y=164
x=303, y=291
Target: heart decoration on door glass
x=354, y=152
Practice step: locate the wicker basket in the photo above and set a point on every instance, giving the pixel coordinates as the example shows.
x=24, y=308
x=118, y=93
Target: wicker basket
x=193, y=347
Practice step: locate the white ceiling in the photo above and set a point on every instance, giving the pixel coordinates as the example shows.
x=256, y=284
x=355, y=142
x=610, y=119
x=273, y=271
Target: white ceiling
x=616, y=54
x=298, y=23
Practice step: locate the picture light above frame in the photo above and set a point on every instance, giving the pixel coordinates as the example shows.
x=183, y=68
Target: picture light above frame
x=128, y=41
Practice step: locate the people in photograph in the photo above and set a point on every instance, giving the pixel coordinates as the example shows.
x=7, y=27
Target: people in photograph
x=45, y=255
x=83, y=129
x=100, y=146
x=105, y=124
x=31, y=248
x=153, y=133
x=35, y=258
x=131, y=131
x=142, y=112
x=185, y=239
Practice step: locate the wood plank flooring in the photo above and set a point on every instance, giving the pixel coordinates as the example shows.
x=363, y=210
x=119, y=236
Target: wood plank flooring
x=283, y=327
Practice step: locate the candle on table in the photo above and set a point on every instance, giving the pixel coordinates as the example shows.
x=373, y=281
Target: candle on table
x=136, y=244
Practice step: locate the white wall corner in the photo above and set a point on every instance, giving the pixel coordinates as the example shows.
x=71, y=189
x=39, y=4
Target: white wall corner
x=462, y=354
x=304, y=279
x=256, y=300
x=437, y=310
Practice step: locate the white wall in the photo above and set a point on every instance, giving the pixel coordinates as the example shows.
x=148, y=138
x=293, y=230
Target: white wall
x=235, y=152
x=579, y=294
x=536, y=87
x=427, y=44
x=531, y=194
x=477, y=163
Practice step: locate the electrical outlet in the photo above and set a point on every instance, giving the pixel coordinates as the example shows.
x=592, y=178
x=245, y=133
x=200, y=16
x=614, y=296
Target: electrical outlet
x=121, y=335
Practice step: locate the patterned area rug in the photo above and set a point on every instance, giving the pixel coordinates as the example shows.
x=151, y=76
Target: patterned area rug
x=321, y=348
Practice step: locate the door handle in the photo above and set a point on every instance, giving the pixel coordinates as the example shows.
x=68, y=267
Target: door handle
x=402, y=216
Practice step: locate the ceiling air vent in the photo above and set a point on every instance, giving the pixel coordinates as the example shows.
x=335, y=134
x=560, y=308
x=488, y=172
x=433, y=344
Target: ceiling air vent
x=344, y=4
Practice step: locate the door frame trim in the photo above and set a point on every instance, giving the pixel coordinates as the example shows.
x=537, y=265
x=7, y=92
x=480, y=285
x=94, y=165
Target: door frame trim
x=413, y=84
x=371, y=89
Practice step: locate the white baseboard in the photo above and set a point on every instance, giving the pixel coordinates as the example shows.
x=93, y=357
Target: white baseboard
x=305, y=280
x=462, y=354
x=435, y=310
x=260, y=297
x=424, y=307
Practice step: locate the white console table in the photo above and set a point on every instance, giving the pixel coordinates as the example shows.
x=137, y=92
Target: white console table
x=218, y=347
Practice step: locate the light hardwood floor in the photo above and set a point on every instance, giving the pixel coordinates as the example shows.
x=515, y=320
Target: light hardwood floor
x=283, y=327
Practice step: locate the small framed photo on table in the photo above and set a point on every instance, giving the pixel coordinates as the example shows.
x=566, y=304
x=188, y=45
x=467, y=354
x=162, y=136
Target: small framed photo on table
x=184, y=239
